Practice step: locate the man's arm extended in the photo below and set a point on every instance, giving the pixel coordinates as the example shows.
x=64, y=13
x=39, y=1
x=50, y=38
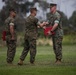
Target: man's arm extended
x=54, y=27
x=42, y=24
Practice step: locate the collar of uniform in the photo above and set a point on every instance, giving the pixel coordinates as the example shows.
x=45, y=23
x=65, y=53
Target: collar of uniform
x=54, y=13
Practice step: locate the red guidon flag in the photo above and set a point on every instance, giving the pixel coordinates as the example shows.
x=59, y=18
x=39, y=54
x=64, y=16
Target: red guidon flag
x=47, y=29
x=4, y=35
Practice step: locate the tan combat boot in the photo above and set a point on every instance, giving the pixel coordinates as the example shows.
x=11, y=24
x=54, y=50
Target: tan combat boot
x=20, y=62
x=10, y=64
x=58, y=62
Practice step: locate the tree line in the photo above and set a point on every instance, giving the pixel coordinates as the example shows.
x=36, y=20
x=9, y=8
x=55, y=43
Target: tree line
x=22, y=7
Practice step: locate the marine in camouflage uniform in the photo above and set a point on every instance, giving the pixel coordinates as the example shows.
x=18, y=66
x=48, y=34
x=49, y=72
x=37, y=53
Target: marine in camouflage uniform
x=30, y=38
x=11, y=43
x=55, y=18
x=31, y=32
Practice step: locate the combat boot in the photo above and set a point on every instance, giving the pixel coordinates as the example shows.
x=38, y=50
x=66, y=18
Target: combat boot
x=58, y=61
x=10, y=64
x=20, y=62
x=32, y=62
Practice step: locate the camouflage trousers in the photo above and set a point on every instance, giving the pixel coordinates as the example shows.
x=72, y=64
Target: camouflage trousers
x=57, y=46
x=29, y=45
x=11, y=45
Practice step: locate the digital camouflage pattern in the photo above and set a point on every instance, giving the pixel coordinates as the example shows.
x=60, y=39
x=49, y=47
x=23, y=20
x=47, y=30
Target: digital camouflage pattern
x=30, y=38
x=11, y=44
x=57, y=38
x=55, y=18
x=57, y=46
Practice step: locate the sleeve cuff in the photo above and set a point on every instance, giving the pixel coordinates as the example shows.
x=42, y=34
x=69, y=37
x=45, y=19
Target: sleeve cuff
x=11, y=24
x=56, y=21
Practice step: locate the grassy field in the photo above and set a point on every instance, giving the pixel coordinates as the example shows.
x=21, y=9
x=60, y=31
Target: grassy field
x=44, y=64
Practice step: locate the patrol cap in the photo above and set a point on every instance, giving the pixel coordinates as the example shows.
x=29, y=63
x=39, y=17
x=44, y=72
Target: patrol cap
x=33, y=8
x=52, y=4
x=12, y=9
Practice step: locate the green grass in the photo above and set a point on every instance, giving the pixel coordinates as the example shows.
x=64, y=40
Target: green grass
x=44, y=64
x=69, y=39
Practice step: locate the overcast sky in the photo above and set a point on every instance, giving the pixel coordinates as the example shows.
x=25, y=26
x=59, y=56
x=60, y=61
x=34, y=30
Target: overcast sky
x=67, y=6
